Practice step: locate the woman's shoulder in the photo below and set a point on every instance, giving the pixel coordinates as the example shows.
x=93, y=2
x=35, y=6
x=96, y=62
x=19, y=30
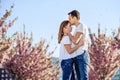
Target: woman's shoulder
x=65, y=37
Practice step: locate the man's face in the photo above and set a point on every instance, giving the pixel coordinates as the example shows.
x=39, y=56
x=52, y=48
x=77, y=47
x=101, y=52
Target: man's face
x=71, y=19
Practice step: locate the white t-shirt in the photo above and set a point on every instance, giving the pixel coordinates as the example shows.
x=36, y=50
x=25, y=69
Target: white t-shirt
x=81, y=28
x=63, y=52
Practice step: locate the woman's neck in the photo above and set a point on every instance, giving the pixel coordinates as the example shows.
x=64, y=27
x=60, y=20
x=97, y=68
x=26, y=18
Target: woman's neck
x=65, y=34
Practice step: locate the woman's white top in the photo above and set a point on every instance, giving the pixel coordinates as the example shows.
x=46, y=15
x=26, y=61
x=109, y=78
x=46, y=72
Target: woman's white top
x=63, y=52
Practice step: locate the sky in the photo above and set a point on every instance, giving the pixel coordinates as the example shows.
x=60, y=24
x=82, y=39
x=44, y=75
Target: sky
x=43, y=17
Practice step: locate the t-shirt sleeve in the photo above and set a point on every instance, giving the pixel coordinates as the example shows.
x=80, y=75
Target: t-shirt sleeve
x=80, y=29
x=66, y=40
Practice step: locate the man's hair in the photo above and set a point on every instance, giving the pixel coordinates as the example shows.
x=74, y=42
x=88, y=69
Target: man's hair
x=75, y=13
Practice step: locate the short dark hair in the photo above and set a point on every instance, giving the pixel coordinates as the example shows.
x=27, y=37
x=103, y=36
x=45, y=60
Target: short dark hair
x=75, y=13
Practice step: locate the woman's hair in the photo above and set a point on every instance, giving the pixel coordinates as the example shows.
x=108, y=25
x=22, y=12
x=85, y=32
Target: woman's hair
x=61, y=33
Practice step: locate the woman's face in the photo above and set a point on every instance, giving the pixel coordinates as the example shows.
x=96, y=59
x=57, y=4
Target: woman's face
x=67, y=28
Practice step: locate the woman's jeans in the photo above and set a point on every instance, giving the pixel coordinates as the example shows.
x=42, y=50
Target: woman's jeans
x=81, y=65
x=67, y=67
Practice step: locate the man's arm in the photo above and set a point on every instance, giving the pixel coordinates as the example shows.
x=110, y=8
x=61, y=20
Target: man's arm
x=70, y=49
x=75, y=39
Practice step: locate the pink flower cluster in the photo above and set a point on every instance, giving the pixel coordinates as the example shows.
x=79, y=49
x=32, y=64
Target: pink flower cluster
x=105, y=56
x=22, y=59
x=30, y=62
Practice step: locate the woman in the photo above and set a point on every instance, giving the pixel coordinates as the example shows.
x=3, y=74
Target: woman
x=66, y=49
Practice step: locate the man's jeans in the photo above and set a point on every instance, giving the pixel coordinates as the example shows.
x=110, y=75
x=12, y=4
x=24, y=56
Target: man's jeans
x=81, y=64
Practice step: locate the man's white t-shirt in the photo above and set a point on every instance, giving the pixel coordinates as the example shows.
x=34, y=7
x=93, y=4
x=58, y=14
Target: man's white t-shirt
x=81, y=28
x=63, y=52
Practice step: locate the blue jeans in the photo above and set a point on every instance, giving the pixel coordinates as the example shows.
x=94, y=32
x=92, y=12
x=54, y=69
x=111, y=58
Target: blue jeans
x=81, y=63
x=67, y=68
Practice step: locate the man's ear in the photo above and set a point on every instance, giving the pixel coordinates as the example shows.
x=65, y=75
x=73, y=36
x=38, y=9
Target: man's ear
x=75, y=18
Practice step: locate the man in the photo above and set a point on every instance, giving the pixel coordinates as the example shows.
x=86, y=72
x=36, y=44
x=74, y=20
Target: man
x=81, y=57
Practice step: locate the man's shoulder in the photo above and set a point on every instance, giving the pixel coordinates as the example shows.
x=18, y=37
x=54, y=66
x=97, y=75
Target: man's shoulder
x=83, y=25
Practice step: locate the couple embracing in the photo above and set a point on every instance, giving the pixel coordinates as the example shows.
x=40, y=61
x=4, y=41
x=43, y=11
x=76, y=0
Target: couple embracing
x=74, y=54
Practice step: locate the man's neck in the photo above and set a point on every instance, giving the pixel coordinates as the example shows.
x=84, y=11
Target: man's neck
x=77, y=23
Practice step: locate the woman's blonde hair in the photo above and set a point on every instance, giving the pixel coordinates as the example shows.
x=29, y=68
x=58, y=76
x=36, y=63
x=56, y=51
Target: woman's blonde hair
x=61, y=33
